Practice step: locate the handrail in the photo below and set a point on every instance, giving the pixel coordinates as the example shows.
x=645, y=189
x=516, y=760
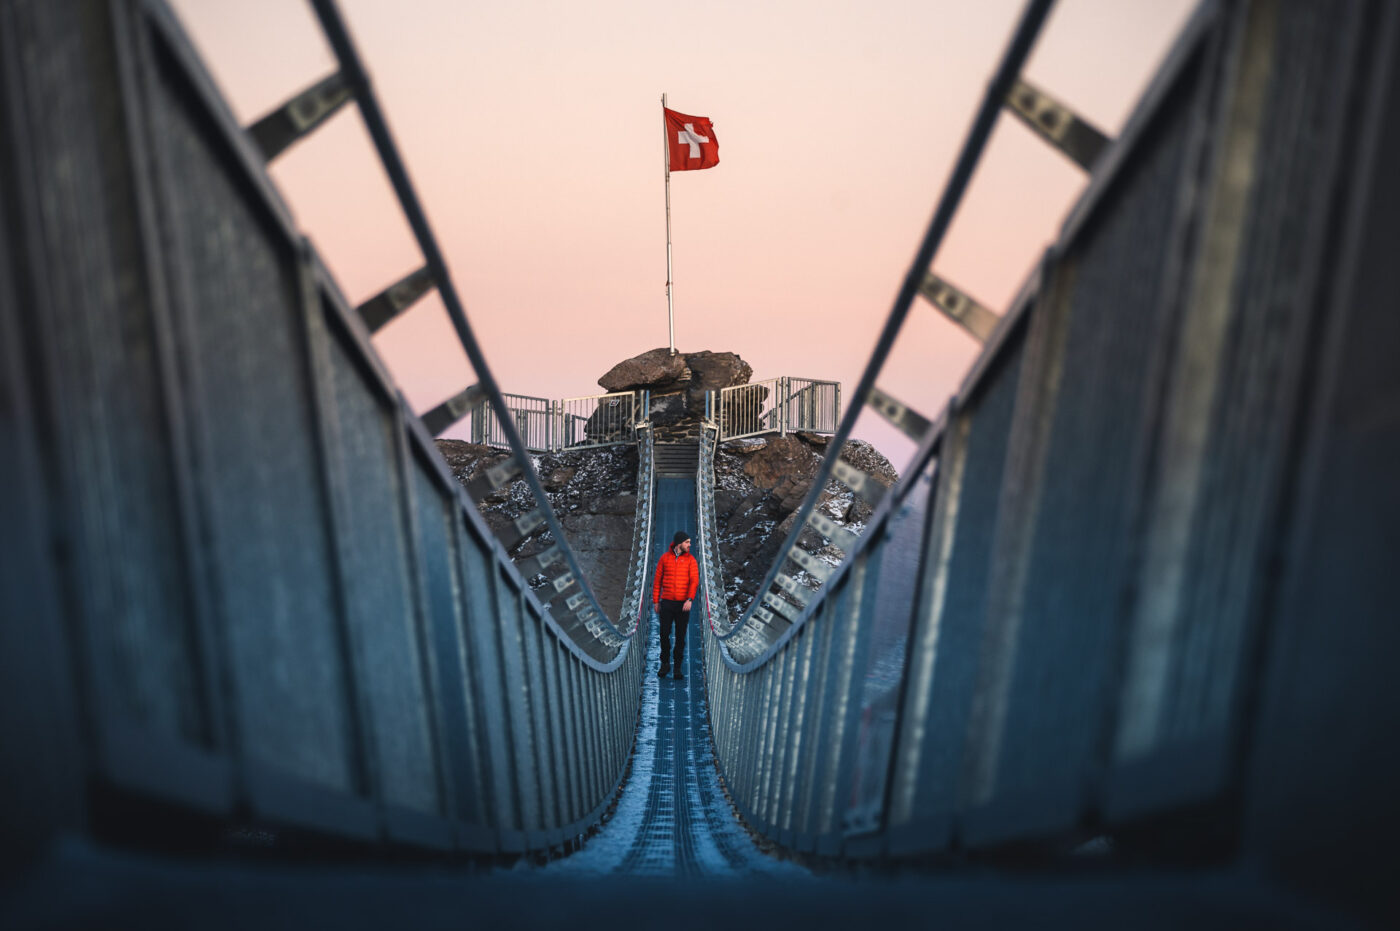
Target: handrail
x=357, y=78
x=707, y=548
x=1027, y=29
x=1065, y=614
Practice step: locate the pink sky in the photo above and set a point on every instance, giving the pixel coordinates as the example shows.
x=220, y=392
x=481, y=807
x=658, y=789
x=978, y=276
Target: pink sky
x=532, y=132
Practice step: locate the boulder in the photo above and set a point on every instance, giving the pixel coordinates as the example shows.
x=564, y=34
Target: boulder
x=785, y=462
x=744, y=412
x=610, y=422
x=667, y=409
x=654, y=369
x=694, y=373
x=746, y=446
x=711, y=371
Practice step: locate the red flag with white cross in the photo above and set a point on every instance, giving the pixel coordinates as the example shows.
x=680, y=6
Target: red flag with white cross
x=691, y=141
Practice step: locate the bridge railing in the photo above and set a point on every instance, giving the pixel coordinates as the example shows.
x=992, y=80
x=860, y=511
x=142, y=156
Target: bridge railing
x=273, y=600
x=1092, y=604
x=776, y=405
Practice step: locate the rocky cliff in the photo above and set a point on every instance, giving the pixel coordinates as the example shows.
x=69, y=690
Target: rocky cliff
x=759, y=484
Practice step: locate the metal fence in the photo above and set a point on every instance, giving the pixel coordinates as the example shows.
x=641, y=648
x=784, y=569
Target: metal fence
x=571, y=423
x=776, y=405
x=274, y=601
x=1092, y=602
x=600, y=419
x=809, y=405
x=533, y=419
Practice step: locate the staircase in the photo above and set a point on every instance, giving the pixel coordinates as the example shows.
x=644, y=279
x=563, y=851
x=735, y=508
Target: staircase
x=677, y=459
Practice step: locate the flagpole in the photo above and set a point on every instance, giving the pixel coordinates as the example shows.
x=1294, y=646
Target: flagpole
x=666, y=161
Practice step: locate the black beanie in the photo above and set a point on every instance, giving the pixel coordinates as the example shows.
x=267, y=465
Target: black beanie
x=680, y=537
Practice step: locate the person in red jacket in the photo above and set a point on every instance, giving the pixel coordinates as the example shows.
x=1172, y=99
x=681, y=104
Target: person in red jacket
x=676, y=578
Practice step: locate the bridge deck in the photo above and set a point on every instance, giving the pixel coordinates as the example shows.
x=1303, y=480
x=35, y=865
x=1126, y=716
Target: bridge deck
x=672, y=818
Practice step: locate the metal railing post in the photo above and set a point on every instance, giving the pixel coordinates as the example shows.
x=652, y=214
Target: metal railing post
x=783, y=405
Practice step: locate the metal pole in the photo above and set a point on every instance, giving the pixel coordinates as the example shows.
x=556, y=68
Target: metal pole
x=666, y=162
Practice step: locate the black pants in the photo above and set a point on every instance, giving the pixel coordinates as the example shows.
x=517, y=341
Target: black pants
x=672, y=614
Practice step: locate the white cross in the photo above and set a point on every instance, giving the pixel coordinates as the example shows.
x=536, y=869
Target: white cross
x=694, y=138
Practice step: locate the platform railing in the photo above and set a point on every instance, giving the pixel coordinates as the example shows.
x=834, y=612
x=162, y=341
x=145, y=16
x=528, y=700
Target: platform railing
x=779, y=405
x=550, y=426
x=533, y=418
x=600, y=419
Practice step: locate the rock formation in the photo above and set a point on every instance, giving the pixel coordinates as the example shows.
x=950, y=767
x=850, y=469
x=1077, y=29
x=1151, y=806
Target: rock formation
x=593, y=493
x=678, y=384
x=759, y=484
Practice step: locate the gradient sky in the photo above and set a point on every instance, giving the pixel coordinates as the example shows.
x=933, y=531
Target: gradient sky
x=532, y=131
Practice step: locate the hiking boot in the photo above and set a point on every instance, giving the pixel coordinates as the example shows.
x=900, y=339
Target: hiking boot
x=680, y=672
x=663, y=672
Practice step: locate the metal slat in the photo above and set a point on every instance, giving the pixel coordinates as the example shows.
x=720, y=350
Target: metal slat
x=395, y=299
x=1057, y=124
x=905, y=419
x=437, y=420
x=814, y=566
x=858, y=481
x=960, y=307
x=300, y=116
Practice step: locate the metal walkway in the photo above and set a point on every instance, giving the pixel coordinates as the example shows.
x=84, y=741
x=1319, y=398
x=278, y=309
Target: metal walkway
x=1132, y=594
x=672, y=819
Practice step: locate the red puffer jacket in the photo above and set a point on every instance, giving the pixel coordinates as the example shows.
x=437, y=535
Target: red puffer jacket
x=677, y=577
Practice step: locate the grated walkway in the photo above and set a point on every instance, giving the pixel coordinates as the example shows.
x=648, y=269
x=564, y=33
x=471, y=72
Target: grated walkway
x=673, y=819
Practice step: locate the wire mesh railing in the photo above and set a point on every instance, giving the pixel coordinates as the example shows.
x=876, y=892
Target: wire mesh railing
x=1062, y=615
x=316, y=626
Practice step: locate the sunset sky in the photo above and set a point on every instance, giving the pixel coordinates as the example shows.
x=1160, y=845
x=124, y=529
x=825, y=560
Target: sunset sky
x=532, y=131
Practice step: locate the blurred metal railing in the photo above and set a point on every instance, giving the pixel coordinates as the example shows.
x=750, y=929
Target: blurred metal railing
x=1072, y=613
x=776, y=405
x=289, y=610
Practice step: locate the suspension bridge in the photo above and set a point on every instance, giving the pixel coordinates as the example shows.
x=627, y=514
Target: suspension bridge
x=1127, y=611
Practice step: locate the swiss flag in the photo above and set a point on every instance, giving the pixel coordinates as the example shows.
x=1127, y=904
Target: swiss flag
x=691, y=141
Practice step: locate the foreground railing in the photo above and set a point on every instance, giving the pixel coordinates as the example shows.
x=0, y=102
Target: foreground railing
x=239, y=580
x=1131, y=582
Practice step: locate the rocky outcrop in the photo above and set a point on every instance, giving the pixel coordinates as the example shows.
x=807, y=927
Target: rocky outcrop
x=759, y=484
x=656, y=369
x=593, y=493
x=678, y=384
x=711, y=371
